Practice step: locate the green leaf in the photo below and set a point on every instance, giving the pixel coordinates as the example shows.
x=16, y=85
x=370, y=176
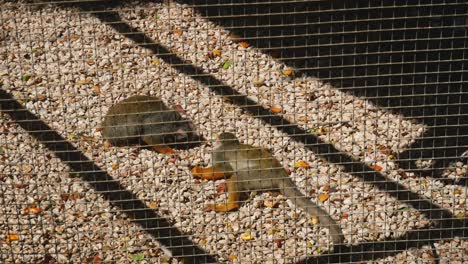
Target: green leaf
x=227, y=64
x=138, y=257
x=2, y=151
x=26, y=78
x=404, y=209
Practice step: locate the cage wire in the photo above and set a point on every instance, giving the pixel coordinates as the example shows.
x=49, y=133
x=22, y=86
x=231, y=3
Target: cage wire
x=113, y=113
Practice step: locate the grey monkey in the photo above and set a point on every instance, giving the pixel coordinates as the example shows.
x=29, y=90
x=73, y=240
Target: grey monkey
x=147, y=120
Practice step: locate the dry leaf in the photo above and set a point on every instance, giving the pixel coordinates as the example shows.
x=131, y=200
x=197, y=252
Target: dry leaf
x=315, y=220
x=323, y=197
x=326, y=188
x=232, y=257
x=301, y=164
x=244, y=44
x=153, y=205
x=217, y=52
x=33, y=210
x=288, y=72
x=247, y=236
x=457, y=191
x=180, y=109
x=12, y=237
x=344, y=216
x=96, y=89
x=90, y=62
x=377, y=167
x=270, y=203
x=279, y=242
x=96, y=259
x=276, y=110
x=115, y=166
x=83, y=82
x=155, y=62
x=41, y=97
x=26, y=168
x=107, y=144
x=99, y=129
x=178, y=32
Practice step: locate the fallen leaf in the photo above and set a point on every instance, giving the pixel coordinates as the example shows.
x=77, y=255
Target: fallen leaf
x=107, y=144
x=2, y=151
x=96, y=259
x=99, y=129
x=301, y=164
x=391, y=156
x=276, y=110
x=26, y=168
x=41, y=97
x=457, y=191
x=138, y=257
x=270, y=203
x=323, y=197
x=155, y=62
x=153, y=205
x=310, y=245
x=178, y=32
x=96, y=89
x=344, y=216
x=217, y=52
x=33, y=210
x=326, y=188
x=115, y=166
x=83, y=82
x=377, y=167
x=203, y=241
x=315, y=220
x=244, y=44
x=247, y=236
x=12, y=237
x=3, y=73
x=288, y=72
x=232, y=257
x=26, y=78
x=227, y=64
x=90, y=62
x=20, y=185
x=279, y=242
x=180, y=109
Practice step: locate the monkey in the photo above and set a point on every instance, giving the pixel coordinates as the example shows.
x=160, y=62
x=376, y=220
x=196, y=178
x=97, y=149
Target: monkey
x=255, y=169
x=147, y=120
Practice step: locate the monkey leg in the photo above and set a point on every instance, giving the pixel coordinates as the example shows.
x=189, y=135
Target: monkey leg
x=164, y=149
x=233, y=198
x=210, y=173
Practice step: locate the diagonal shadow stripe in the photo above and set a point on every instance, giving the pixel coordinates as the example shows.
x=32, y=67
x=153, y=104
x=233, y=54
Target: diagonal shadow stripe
x=326, y=151
x=127, y=202
x=374, y=250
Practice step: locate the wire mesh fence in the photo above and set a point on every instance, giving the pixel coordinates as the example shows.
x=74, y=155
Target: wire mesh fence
x=233, y=131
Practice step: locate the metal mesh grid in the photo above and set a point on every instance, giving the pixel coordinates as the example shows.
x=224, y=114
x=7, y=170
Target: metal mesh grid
x=362, y=102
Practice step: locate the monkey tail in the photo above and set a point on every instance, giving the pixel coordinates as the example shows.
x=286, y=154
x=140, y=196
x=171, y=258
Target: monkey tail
x=290, y=190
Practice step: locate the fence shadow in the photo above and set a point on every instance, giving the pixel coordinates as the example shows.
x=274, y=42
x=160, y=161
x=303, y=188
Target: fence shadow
x=410, y=59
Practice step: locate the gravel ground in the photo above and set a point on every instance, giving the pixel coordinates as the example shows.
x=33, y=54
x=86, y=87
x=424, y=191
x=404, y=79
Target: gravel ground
x=68, y=68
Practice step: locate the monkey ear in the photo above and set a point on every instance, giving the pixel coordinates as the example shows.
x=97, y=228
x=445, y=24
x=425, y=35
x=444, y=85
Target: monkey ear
x=180, y=134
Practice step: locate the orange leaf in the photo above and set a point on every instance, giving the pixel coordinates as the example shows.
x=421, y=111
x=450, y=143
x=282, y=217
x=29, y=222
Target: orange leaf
x=288, y=72
x=244, y=44
x=115, y=166
x=13, y=237
x=276, y=110
x=377, y=167
x=178, y=32
x=33, y=210
x=270, y=203
x=344, y=216
x=301, y=164
x=97, y=260
x=323, y=197
x=216, y=52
